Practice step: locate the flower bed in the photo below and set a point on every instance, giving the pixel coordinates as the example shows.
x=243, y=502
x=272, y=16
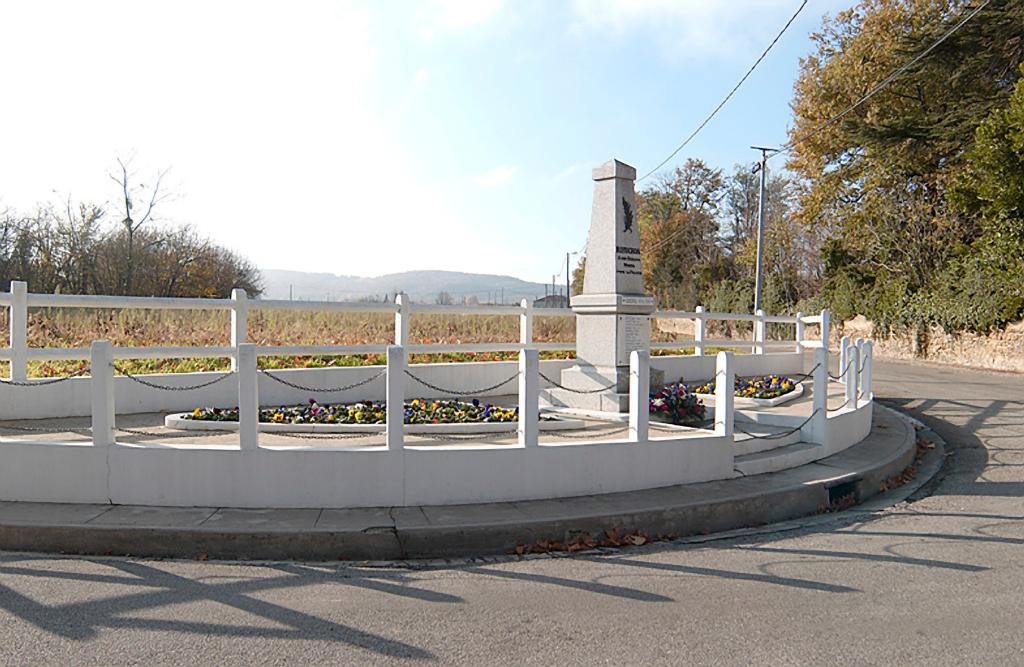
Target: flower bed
x=764, y=387
x=417, y=411
x=677, y=404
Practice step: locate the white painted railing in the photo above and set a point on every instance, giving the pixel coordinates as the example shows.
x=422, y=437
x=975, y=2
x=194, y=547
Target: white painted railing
x=703, y=453
x=759, y=343
x=19, y=300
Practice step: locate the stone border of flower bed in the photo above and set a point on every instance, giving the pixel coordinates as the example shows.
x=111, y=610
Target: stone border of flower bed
x=180, y=422
x=798, y=391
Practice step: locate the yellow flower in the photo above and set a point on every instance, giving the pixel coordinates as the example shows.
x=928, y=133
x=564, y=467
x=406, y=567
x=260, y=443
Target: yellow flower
x=196, y=412
x=359, y=415
x=278, y=417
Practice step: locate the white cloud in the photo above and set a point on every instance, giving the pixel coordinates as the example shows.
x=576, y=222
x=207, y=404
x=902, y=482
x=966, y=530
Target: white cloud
x=495, y=177
x=690, y=28
x=458, y=14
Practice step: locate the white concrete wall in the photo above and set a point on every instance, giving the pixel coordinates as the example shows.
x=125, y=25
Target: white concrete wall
x=73, y=397
x=175, y=474
x=698, y=369
x=222, y=476
x=847, y=427
x=53, y=472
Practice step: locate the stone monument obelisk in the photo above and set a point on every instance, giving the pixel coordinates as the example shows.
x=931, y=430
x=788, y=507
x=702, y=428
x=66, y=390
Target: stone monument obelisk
x=613, y=315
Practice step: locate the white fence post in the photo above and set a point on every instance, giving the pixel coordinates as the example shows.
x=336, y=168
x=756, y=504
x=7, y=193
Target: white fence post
x=526, y=322
x=759, y=332
x=639, y=395
x=826, y=328
x=815, y=430
x=799, y=332
x=101, y=362
x=853, y=359
x=18, y=320
x=867, y=357
x=528, y=429
x=402, y=320
x=859, y=343
x=248, y=398
x=725, y=390
x=699, y=332
x=239, y=322
x=395, y=396
x=844, y=357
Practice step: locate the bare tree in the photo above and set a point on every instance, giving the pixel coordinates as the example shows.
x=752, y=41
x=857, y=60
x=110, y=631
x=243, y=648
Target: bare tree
x=136, y=215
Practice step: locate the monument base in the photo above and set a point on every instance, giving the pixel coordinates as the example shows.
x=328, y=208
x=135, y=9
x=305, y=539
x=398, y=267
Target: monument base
x=615, y=398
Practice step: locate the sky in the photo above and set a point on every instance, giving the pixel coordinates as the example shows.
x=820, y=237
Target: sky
x=365, y=138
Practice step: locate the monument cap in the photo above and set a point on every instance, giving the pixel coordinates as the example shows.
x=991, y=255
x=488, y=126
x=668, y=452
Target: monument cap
x=614, y=169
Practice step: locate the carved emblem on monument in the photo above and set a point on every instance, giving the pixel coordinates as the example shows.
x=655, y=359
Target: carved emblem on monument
x=627, y=211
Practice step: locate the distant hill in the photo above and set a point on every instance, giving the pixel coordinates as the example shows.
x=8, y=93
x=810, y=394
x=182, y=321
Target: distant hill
x=421, y=286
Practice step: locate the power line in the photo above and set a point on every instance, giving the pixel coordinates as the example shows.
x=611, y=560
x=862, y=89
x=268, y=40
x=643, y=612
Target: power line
x=871, y=93
x=882, y=84
x=727, y=97
x=666, y=239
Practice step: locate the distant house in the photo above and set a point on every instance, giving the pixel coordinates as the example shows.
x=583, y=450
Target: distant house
x=551, y=301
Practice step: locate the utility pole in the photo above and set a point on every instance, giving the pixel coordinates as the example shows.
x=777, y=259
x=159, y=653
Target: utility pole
x=763, y=168
x=568, y=279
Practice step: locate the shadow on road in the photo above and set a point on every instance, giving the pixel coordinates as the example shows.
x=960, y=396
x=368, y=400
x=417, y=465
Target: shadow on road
x=154, y=588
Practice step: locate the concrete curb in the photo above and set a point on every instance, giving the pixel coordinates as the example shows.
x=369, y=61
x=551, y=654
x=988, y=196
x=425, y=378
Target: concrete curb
x=381, y=534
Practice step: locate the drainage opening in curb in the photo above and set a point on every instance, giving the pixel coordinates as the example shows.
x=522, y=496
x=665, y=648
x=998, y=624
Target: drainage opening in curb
x=842, y=496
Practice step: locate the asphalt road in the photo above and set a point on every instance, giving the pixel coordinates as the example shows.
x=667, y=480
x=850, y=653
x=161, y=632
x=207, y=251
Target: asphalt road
x=937, y=581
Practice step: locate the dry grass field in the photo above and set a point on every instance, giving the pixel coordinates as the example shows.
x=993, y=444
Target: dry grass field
x=66, y=327
x=61, y=327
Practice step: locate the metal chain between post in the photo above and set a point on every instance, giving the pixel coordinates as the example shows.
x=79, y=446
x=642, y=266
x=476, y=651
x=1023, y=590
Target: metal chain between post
x=586, y=436
x=512, y=433
x=205, y=434
x=777, y=436
x=454, y=392
x=703, y=424
x=324, y=436
x=462, y=436
x=323, y=390
x=842, y=372
x=84, y=430
x=173, y=434
x=40, y=383
x=576, y=391
x=804, y=376
x=153, y=385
